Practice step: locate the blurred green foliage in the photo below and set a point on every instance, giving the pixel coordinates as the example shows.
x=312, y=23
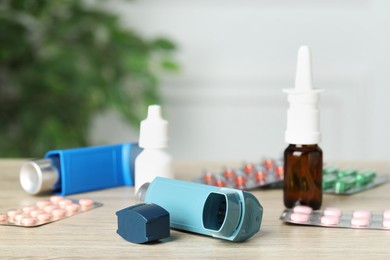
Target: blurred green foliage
x=61, y=63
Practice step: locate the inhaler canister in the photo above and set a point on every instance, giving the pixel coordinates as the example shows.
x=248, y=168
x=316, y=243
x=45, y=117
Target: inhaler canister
x=224, y=213
x=80, y=169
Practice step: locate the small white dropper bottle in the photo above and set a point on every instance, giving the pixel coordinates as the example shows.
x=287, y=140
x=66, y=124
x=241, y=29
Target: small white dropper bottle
x=153, y=160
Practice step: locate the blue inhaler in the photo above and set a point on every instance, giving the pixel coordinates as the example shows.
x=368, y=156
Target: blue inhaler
x=224, y=213
x=80, y=170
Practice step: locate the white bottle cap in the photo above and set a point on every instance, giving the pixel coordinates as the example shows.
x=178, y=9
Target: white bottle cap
x=154, y=129
x=303, y=116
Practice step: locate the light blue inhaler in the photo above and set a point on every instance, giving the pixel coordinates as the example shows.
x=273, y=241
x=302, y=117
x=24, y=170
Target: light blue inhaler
x=224, y=213
x=80, y=169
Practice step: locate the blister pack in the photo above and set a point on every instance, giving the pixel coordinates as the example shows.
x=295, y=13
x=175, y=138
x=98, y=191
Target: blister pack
x=46, y=211
x=270, y=172
x=336, y=218
x=267, y=173
x=349, y=180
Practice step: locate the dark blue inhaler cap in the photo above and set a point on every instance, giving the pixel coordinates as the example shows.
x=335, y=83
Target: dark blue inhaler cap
x=143, y=223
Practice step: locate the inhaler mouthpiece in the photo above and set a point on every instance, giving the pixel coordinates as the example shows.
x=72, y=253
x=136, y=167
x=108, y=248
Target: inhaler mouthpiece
x=141, y=193
x=303, y=116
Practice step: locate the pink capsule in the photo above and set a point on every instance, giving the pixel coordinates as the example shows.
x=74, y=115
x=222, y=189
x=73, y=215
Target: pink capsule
x=332, y=212
x=18, y=217
x=50, y=208
x=34, y=213
x=302, y=209
x=28, y=208
x=386, y=223
x=63, y=203
x=86, y=202
x=44, y=217
x=11, y=213
x=329, y=220
x=386, y=214
x=55, y=199
x=3, y=217
x=28, y=221
x=58, y=213
x=360, y=222
x=72, y=208
x=299, y=217
x=362, y=214
x=43, y=203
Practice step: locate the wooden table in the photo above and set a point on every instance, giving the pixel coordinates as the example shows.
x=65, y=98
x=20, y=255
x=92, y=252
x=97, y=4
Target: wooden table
x=93, y=234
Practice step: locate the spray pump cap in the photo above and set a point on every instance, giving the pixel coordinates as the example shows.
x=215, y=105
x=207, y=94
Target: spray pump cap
x=303, y=116
x=154, y=129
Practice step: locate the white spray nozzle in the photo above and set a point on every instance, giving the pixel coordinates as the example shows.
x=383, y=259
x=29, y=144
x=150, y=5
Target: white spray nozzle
x=154, y=129
x=303, y=117
x=303, y=78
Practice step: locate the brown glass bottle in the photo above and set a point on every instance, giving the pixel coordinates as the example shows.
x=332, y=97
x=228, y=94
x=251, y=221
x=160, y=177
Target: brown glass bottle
x=303, y=176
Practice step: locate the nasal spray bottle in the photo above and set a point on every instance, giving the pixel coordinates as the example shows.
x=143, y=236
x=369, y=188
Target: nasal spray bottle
x=303, y=156
x=153, y=160
x=224, y=213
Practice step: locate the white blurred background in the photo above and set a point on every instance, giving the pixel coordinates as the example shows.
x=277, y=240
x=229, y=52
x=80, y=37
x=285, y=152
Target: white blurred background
x=237, y=56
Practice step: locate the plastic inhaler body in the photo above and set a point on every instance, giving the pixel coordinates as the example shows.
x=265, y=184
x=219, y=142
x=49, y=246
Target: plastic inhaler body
x=303, y=157
x=224, y=213
x=81, y=169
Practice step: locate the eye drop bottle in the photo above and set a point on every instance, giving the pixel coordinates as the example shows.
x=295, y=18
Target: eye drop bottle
x=153, y=160
x=303, y=156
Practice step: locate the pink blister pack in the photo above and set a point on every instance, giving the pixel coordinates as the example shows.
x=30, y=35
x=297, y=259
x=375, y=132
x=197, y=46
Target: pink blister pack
x=336, y=218
x=267, y=173
x=46, y=211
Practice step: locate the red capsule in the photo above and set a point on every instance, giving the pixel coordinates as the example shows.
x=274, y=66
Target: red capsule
x=268, y=163
x=208, y=178
x=228, y=173
x=260, y=176
x=240, y=182
x=279, y=170
x=248, y=168
x=219, y=183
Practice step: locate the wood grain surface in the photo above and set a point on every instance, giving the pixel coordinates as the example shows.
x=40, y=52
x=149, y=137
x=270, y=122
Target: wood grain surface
x=93, y=234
